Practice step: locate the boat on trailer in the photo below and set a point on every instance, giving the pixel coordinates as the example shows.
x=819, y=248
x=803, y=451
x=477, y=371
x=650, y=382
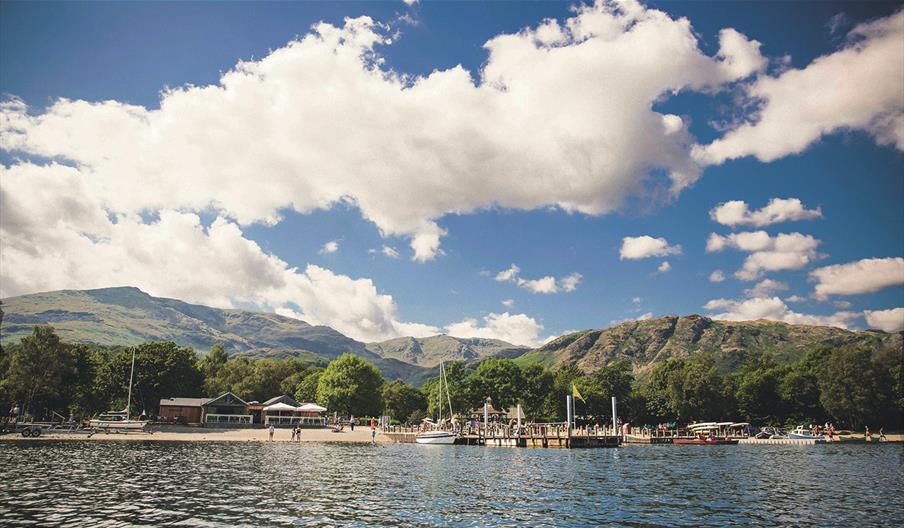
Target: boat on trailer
x=119, y=420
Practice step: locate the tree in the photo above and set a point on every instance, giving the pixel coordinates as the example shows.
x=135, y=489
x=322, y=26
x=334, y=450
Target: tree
x=37, y=370
x=756, y=390
x=852, y=388
x=306, y=390
x=616, y=379
x=561, y=387
x=351, y=385
x=537, y=383
x=401, y=400
x=499, y=379
x=162, y=370
x=211, y=366
x=460, y=393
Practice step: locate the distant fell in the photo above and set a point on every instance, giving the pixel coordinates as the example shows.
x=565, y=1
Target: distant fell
x=429, y=351
x=648, y=343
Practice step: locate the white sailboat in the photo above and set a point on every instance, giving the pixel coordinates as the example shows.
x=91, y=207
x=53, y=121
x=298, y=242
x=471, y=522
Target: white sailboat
x=439, y=437
x=119, y=420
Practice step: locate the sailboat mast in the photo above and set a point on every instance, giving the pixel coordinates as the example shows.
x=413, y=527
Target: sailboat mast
x=440, y=395
x=448, y=397
x=131, y=374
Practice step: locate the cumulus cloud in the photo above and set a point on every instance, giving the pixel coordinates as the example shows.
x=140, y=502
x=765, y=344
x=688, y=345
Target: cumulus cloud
x=889, y=320
x=55, y=235
x=664, y=267
x=784, y=251
x=323, y=121
x=547, y=284
x=387, y=251
x=508, y=303
x=855, y=88
x=330, y=247
x=642, y=317
x=795, y=299
x=716, y=276
x=766, y=288
x=518, y=329
x=737, y=213
x=772, y=308
x=863, y=276
x=645, y=246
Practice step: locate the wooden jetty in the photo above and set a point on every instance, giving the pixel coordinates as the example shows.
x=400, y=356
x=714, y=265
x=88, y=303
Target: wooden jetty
x=534, y=435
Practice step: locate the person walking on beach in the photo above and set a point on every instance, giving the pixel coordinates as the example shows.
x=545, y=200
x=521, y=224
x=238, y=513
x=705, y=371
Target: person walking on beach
x=272, y=430
x=293, y=433
x=373, y=432
x=298, y=435
x=882, y=434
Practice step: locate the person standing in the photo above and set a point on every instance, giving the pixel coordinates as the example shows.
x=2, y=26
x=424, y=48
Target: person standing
x=373, y=432
x=882, y=434
x=272, y=430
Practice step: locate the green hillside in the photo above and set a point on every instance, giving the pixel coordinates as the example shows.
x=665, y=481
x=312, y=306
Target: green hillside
x=647, y=343
x=429, y=351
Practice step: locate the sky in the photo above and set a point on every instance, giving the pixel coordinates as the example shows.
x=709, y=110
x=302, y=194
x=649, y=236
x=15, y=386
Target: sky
x=511, y=170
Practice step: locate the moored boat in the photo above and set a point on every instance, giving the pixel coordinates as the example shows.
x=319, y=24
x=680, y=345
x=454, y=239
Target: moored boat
x=119, y=420
x=802, y=433
x=439, y=437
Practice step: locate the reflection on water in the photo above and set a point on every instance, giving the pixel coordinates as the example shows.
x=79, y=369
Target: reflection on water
x=257, y=484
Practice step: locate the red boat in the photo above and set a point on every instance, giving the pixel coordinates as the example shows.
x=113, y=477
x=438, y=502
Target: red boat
x=705, y=440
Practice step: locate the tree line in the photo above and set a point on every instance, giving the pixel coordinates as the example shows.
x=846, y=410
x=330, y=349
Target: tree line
x=847, y=385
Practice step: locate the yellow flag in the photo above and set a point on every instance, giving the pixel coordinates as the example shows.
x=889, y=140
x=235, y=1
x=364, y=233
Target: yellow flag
x=575, y=393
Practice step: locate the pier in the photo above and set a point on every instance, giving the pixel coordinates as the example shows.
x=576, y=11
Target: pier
x=554, y=435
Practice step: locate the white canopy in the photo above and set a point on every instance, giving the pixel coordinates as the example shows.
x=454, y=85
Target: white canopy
x=310, y=407
x=279, y=407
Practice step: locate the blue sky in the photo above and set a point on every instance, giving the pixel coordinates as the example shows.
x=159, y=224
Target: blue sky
x=473, y=228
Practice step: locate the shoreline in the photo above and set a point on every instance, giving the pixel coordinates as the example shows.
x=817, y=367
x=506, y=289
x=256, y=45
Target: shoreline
x=360, y=435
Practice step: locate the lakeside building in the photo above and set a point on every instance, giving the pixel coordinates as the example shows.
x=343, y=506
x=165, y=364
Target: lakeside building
x=229, y=410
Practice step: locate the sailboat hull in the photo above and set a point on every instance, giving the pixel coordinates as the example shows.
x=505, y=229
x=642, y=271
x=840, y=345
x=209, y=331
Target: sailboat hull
x=122, y=425
x=437, y=437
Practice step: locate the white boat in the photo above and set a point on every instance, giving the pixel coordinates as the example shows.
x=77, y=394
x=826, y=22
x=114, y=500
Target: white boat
x=802, y=433
x=119, y=420
x=436, y=437
x=439, y=437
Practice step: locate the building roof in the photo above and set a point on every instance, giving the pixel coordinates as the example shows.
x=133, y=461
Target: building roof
x=227, y=399
x=288, y=400
x=184, y=402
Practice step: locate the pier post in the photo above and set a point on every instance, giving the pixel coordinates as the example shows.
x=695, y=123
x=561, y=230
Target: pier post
x=569, y=405
x=614, y=418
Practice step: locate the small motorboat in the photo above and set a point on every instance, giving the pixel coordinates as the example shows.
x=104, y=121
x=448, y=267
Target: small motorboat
x=705, y=440
x=802, y=433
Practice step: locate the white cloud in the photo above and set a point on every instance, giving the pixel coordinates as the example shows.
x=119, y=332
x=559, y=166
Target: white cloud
x=795, y=299
x=387, y=251
x=410, y=2
x=508, y=303
x=518, y=329
x=322, y=121
x=642, y=317
x=664, y=267
x=645, y=246
x=844, y=305
x=547, y=284
x=862, y=276
x=716, y=276
x=330, y=247
x=785, y=251
x=772, y=308
x=55, y=235
x=737, y=213
x=857, y=88
x=889, y=320
x=766, y=288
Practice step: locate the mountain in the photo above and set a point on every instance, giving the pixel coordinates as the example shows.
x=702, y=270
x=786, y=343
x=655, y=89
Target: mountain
x=429, y=351
x=128, y=316
x=650, y=342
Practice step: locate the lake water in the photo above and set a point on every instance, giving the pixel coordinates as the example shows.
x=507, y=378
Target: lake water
x=98, y=483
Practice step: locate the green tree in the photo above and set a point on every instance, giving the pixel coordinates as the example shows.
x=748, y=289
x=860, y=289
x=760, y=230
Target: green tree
x=852, y=387
x=401, y=400
x=616, y=379
x=162, y=370
x=538, y=383
x=212, y=366
x=561, y=387
x=757, y=391
x=306, y=390
x=460, y=393
x=37, y=370
x=499, y=379
x=351, y=385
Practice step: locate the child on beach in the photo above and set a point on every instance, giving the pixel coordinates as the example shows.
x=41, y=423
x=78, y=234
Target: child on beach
x=272, y=430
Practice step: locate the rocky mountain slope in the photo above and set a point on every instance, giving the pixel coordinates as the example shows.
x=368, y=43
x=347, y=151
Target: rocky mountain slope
x=429, y=351
x=647, y=343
